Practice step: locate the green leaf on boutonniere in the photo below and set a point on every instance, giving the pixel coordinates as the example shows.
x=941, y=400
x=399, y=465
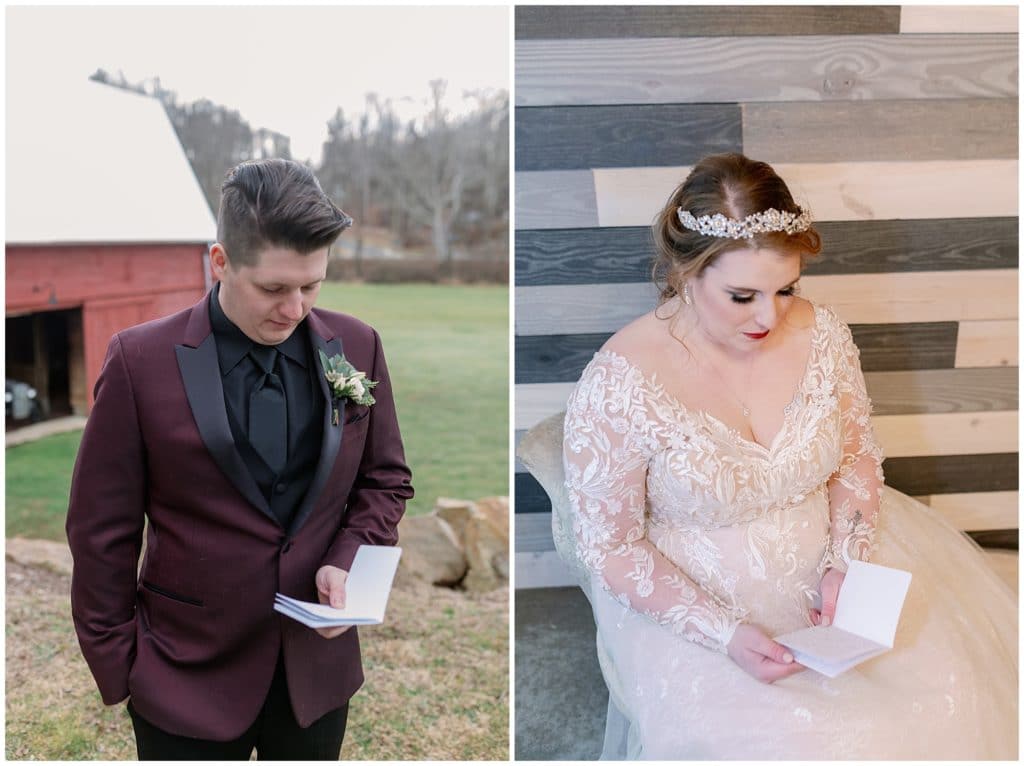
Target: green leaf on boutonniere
x=346, y=382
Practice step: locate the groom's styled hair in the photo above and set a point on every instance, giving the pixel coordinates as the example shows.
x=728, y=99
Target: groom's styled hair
x=275, y=202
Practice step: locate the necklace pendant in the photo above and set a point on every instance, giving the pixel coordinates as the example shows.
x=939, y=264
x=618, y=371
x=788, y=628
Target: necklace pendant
x=746, y=412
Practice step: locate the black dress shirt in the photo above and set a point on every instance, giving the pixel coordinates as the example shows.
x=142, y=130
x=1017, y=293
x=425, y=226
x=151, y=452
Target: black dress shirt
x=303, y=398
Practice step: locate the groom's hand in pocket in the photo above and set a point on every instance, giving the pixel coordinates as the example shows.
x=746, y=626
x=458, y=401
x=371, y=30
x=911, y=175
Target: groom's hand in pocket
x=330, y=589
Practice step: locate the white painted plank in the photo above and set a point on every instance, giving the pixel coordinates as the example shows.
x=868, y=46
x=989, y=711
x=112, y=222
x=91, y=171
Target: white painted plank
x=958, y=19
x=541, y=570
x=987, y=344
x=1006, y=564
x=836, y=191
x=974, y=511
x=918, y=296
x=768, y=68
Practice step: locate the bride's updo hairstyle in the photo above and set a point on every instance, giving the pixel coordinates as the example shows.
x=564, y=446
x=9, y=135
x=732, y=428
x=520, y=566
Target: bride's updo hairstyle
x=734, y=186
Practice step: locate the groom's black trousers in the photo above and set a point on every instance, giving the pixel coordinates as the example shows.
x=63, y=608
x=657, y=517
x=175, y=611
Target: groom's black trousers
x=275, y=734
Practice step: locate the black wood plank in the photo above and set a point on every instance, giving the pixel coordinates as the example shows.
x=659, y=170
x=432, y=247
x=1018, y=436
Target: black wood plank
x=583, y=137
x=908, y=346
x=553, y=22
x=530, y=495
x=625, y=254
x=935, y=475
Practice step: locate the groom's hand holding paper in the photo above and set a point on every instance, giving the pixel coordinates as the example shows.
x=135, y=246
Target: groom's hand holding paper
x=363, y=593
x=330, y=589
x=867, y=613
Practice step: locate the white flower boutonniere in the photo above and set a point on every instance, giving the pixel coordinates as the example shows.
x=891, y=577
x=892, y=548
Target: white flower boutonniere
x=346, y=382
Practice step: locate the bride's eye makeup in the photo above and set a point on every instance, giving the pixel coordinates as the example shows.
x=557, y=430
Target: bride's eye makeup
x=793, y=289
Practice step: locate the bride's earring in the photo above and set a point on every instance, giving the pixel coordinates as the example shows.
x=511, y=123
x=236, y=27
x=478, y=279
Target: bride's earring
x=686, y=294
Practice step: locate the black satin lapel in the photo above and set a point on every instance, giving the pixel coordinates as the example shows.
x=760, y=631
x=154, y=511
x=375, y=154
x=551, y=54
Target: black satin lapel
x=201, y=375
x=331, y=440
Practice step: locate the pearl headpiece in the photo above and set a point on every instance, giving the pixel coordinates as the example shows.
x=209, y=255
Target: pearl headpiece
x=718, y=225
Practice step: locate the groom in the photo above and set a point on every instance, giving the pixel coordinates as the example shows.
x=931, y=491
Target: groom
x=219, y=427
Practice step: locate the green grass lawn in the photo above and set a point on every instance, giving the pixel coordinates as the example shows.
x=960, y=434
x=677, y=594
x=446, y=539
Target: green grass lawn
x=447, y=352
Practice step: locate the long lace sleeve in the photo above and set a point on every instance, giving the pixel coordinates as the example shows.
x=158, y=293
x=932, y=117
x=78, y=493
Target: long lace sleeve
x=609, y=439
x=855, y=488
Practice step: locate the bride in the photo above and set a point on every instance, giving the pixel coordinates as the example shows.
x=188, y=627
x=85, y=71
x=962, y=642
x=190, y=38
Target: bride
x=722, y=472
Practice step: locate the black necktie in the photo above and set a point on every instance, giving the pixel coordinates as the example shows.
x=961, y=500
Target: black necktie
x=268, y=413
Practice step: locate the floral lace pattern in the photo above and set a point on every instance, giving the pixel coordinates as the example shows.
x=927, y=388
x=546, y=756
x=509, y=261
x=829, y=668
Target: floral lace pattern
x=676, y=514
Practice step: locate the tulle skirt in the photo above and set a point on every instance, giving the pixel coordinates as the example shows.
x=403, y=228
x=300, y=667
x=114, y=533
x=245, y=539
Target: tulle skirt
x=947, y=690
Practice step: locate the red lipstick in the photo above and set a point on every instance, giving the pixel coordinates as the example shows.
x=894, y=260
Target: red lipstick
x=757, y=335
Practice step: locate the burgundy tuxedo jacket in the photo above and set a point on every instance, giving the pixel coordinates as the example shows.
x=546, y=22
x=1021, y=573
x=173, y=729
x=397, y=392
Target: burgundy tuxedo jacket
x=192, y=636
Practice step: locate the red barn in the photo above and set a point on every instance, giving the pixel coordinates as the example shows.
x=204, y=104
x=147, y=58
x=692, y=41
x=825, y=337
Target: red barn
x=106, y=227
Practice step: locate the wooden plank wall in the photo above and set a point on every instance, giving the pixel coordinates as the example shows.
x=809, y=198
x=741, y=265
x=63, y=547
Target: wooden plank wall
x=896, y=125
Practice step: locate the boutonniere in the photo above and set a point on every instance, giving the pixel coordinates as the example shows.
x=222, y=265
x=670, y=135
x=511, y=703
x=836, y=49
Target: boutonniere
x=346, y=382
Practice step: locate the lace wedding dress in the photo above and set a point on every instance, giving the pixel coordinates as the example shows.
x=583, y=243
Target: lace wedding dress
x=680, y=528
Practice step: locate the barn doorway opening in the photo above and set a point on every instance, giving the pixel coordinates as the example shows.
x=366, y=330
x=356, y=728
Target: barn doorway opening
x=45, y=366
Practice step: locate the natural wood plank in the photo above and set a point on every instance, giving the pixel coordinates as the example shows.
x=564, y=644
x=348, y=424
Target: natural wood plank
x=974, y=510
x=535, y=22
x=625, y=254
x=963, y=19
x=1006, y=565
x=555, y=199
x=946, y=433
x=900, y=130
x=910, y=392
x=541, y=570
x=858, y=299
x=732, y=69
x=987, y=344
x=912, y=408
x=924, y=296
x=941, y=474
x=836, y=191
x=582, y=137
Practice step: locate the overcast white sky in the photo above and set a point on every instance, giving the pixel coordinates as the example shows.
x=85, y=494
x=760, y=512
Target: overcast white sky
x=285, y=69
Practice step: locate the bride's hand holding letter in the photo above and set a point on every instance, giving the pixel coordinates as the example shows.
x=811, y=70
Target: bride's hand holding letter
x=759, y=656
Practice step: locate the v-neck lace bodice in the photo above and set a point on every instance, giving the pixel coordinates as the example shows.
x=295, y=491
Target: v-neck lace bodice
x=663, y=498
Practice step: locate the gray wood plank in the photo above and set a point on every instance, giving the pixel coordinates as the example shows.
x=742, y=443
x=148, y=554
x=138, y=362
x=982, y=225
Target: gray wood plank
x=732, y=69
x=561, y=198
x=560, y=22
x=625, y=254
x=533, y=533
x=1008, y=539
x=905, y=129
x=910, y=346
x=577, y=137
x=977, y=389
x=952, y=473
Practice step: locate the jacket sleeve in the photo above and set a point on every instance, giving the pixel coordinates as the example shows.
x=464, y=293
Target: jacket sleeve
x=382, y=484
x=104, y=527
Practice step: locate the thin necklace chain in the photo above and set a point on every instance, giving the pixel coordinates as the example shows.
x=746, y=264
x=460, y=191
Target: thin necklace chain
x=743, y=405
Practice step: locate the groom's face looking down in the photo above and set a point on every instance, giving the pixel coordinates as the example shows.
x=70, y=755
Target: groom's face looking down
x=268, y=299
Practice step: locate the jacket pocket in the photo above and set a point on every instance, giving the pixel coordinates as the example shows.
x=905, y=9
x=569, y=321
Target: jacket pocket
x=357, y=416
x=168, y=594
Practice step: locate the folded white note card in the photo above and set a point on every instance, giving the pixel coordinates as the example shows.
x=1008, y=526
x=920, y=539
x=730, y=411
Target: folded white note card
x=366, y=592
x=867, y=613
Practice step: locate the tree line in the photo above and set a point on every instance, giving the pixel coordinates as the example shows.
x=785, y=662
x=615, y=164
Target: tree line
x=438, y=184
